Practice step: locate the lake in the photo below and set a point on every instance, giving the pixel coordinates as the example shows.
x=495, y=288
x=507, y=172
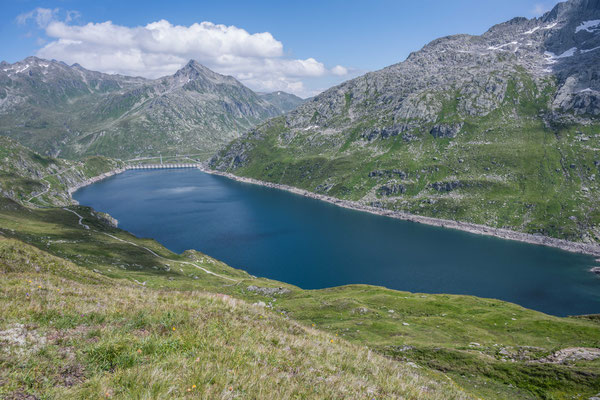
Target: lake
x=313, y=244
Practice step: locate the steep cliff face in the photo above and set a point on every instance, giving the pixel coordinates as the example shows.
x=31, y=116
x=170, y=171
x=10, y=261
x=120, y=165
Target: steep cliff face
x=59, y=109
x=510, y=118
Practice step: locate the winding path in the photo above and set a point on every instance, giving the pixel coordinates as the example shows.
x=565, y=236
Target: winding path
x=151, y=251
x=80, y=218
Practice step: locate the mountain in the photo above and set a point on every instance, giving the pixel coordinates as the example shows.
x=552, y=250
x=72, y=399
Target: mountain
x=59, y=109
x=501, y=129
x=283, y=101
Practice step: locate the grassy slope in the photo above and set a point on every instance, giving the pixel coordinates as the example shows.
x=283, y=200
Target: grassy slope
x=514, y=171
x=28, y=177
x=89, y=336
x=439, y=334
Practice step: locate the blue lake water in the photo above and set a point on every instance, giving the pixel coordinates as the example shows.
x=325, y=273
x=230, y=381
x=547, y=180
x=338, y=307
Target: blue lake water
x=313, y=244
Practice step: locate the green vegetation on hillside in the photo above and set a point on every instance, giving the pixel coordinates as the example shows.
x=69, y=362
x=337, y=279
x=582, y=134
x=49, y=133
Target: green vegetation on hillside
x=70, y=333
x=508, y=169
x=30, y=178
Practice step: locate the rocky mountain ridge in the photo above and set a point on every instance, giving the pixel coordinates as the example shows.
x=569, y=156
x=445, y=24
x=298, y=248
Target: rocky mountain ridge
x=68, y=110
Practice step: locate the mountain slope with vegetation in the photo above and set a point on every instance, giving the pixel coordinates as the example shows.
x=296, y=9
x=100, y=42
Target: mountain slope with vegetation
x=89, y=309
x=30, y=178
x=501, y=129
x=57, y=109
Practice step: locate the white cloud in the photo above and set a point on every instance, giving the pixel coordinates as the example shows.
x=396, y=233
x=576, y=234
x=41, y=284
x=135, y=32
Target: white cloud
x=339, y=70
x=160, y=48
x=72, y=15
x=42, y=16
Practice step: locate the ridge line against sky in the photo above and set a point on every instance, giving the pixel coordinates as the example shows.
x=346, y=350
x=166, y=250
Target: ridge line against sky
x=298, y=47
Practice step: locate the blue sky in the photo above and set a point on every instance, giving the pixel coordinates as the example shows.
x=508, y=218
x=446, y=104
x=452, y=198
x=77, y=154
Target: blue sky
x=308, y=46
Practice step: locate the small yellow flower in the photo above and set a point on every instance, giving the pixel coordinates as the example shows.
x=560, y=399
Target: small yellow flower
x=39, y=286
x=313, y=324
x=331, y=340
x=173, y=328
x=29, y=281
x=193, y=386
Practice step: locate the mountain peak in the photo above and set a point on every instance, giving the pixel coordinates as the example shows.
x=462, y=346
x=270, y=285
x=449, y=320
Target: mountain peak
x=573, y=9
x=194, y=68
x=194, y=71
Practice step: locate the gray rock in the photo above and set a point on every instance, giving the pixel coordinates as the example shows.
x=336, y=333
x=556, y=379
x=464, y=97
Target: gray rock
x=268, y=291
x=389, y=190
x=446, y=186
x=446, y=131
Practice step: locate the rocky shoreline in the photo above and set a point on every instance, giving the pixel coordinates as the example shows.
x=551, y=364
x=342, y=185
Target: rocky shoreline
x=573, y=247
x=89, y=181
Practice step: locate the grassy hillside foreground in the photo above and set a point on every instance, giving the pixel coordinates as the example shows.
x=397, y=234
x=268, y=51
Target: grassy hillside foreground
x=71, y=333
x=101, y=304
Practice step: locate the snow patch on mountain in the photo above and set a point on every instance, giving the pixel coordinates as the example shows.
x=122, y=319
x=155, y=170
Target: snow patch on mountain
x=589, y=26
x=553, y=57
x=588, y=50
x=502, y=45
x=531, y=31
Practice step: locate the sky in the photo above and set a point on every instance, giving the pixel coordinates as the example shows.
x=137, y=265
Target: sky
x=302, y=47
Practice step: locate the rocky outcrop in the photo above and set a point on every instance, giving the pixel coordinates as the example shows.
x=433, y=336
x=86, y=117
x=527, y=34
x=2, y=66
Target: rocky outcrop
x=446, y=186
x=445, y=130
x=391, y=189
x=266, y=291
x=571, y=355
x=378, y=173
x=106, y=219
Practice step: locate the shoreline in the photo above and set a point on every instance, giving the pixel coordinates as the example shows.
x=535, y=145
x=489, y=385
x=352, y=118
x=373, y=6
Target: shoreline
x=573, y=247
x=89, y=181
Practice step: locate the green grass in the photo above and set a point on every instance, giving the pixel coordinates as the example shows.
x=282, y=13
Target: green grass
x=438, y=329
x=89, y=336
x=29, y=178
